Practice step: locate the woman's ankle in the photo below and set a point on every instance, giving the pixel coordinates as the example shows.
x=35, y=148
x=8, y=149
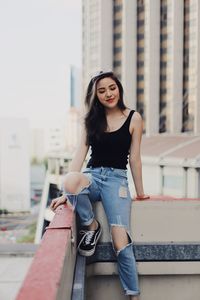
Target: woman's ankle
x=93, y=226
x=134, y=298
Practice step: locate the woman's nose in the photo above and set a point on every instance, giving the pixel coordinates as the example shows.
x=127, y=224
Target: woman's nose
x=108, y=93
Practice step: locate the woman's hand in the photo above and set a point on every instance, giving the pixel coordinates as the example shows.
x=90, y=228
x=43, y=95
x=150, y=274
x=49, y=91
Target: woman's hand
x=142, y=197
x=57, y=201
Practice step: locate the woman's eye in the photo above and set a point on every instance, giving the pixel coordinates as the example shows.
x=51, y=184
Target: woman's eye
x=113, y=88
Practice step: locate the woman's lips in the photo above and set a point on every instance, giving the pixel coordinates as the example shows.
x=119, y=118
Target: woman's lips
x=110, y=100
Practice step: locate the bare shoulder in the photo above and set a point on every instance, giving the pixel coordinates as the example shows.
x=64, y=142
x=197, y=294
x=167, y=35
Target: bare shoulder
x=136, y=117
x=126, y=112
x=136, y=121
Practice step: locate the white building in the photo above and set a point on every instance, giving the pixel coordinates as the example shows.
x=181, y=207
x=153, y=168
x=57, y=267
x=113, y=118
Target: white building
x=171, y=165
x=72, y=129
x=49, y=139
x=55, y=137
x=37, y=144
x=14, y=164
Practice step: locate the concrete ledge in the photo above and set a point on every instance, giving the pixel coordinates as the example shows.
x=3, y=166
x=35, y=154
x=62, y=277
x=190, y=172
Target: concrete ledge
x=147, y=268
x=150, y=252
x=165, y=221
x=161, y=221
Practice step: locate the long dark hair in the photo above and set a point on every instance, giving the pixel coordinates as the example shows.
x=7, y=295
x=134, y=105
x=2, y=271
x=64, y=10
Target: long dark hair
x=95, y=119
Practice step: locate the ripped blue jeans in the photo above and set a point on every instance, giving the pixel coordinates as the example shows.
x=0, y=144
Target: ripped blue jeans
x=110, y=186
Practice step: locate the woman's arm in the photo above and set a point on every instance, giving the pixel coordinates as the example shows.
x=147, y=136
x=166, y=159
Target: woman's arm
x=80, y=153
x=135, y=157
x=75, y=166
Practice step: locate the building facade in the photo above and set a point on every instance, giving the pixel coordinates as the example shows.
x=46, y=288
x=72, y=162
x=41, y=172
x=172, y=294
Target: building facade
x=72, y=124
x=14, y=164
x=153, y=47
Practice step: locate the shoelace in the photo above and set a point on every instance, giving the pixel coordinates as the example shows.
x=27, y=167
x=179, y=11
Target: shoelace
x=88, y=236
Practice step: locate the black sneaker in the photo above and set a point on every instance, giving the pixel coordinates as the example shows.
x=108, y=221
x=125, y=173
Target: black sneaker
x=89, y=241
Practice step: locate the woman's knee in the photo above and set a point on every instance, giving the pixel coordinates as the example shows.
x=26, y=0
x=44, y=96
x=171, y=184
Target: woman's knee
x=120, y=237
x=74, y=182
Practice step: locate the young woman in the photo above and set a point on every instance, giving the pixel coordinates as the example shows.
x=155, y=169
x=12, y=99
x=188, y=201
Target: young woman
x=114, y=134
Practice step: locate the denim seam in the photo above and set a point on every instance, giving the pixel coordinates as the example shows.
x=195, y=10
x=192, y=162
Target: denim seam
x=118, y=225
x=88, y=222
x=83, y=191
x=126, y=246
x=131, y=293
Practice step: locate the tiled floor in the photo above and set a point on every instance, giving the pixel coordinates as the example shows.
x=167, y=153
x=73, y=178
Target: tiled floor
x=12, y=273
x=15, y=260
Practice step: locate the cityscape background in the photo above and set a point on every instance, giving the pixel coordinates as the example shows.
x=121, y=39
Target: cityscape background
x=51, y=49
x=39, y=55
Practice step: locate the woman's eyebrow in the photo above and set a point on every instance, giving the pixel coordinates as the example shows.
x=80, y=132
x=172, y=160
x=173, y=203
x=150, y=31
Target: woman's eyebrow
x=102, y=87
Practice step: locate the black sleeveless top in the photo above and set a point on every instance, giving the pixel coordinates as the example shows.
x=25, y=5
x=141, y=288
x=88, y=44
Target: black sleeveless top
x=112, y=149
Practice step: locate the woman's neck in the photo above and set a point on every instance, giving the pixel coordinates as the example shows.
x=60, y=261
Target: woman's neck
x=114, y=112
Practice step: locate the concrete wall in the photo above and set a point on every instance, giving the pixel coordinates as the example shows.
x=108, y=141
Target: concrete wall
x=159, y=221
x=158, y=281
x=167, y=221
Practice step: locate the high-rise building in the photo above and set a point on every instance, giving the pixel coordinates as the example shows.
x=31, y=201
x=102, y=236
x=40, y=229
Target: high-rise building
x=75, y=87
x=153, y=47
x=73, y=113
x=97, y=37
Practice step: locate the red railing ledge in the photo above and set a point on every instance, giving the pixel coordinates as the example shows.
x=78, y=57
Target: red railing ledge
x=50, y=275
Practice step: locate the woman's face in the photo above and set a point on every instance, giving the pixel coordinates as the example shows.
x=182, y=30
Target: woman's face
x=107, y=92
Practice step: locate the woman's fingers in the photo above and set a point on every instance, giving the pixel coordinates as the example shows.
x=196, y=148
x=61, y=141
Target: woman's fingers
x=59, y=202
x=56, y=202
x=142, y=197
x=53, y=202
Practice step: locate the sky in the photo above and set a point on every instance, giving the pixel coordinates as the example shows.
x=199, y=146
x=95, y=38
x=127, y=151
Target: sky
x=39, y=40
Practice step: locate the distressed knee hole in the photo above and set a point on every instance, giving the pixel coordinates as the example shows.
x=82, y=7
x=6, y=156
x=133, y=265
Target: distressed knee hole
x=75, y=182
x=120, y=237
